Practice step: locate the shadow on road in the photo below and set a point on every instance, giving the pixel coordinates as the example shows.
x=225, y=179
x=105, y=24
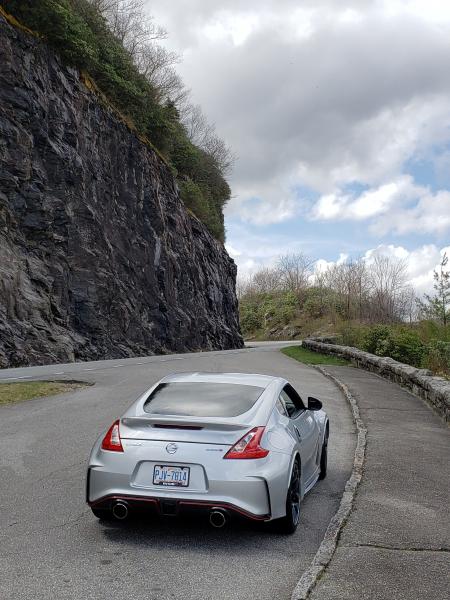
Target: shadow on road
x=187, y=531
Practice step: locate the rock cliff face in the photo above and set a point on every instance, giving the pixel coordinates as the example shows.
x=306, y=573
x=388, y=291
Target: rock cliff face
x=98, y=256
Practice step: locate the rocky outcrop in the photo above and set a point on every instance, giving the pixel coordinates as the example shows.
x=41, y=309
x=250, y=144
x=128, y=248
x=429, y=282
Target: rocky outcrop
x=98, y=256
x=421, y=382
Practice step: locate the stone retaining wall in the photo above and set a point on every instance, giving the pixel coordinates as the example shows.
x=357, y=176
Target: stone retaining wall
x=421, y=382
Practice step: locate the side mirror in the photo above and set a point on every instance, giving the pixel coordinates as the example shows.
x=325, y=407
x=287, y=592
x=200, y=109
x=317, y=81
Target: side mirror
x=314, y=404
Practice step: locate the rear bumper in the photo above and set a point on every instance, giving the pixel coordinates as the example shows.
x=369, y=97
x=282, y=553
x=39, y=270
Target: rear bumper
x=249, y=498
x=172, y=506
x=253, y=488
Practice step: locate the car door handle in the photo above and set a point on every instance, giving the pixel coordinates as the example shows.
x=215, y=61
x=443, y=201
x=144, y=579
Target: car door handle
x=298, y=433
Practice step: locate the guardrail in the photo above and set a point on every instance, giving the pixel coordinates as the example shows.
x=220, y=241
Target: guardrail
x=421, y=382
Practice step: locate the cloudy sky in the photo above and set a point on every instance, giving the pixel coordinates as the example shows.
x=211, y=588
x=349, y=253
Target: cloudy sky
x=339, y=114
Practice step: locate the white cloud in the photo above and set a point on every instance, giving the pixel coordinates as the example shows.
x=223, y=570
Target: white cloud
x=321, y=95
x=232, y=251
x=399, y=206
x=277, y=204
x=369, y=204
x=322, y=265
x=431, y=214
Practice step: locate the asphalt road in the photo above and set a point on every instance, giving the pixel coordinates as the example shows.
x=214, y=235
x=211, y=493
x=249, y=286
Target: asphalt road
x=51, y=546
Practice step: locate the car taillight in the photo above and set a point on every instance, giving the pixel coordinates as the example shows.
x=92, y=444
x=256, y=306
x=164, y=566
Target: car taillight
x=248, y=446
x=112, y=441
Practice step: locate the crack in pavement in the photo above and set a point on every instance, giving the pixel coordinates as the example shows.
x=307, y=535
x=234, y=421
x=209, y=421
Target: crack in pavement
x=400, y=548
x=68, y=522
x=65, y=523
x=63, y=468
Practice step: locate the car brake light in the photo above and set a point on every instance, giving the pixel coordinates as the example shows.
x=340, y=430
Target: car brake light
x=112, y=441
x=248, y=446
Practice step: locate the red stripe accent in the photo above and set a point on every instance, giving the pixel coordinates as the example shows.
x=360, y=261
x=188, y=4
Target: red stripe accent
x=228, y=506
x=123, y=497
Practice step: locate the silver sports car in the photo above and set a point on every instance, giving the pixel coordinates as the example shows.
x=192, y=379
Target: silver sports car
x=227, y=443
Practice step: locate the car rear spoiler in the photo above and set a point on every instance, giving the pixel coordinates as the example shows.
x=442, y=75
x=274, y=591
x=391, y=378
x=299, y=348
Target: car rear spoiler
x=164, y=422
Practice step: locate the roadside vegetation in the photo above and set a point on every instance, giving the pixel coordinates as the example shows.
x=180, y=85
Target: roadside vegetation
x=361, y=304
x=115, y=43
x=313, y=358
x=17, y=392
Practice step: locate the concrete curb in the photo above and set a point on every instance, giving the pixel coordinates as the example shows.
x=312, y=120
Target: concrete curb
x=330, y=540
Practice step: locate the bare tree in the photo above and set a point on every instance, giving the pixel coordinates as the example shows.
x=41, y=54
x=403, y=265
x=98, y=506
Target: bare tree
x=295, y=270
x=242, y=286
x=156, y=64
x=103, y=6
x=130, y=23
x=408, y=304
x=137, y=31
x=350, y=282
x=197, y=127
x=387, y=278
x=355, y=286
x=203, y=134
x=266, y=280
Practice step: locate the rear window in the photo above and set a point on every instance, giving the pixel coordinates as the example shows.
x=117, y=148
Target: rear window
x=202, y=399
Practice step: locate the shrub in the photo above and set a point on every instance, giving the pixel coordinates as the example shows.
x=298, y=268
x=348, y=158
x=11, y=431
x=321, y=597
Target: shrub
x=194, y=199
x=266, y=310
x=317, y=302
x=250, y=317
x=352, y=334
x=431, y=330
x=402, y=344
x=406, y=346
x=376, y=339
x=288, y=304
x=437, y=357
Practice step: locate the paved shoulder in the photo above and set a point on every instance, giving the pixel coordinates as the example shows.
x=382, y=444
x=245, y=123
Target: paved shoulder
x=396, y=542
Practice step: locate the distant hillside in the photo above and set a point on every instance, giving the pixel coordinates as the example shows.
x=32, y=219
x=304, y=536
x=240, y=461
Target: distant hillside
x=80, y=32
x=367, y=306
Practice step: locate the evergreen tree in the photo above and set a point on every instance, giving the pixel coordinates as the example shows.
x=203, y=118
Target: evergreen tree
x=437, y=306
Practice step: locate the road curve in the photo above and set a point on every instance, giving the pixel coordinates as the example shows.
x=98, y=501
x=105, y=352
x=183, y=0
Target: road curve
x=53, y=547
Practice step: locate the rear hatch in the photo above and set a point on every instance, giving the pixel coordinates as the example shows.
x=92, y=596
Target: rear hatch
x=202, y=412
x=184, y=431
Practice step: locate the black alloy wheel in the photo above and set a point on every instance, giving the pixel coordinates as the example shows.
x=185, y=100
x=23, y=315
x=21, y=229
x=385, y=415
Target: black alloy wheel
x=324, y=457
x=289, y=523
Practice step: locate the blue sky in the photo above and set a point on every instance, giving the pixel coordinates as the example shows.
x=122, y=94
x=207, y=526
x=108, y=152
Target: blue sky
x=339, y=114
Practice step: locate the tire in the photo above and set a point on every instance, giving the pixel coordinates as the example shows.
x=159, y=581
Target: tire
x=324, y=457
x=103, y=513
x=289, y=523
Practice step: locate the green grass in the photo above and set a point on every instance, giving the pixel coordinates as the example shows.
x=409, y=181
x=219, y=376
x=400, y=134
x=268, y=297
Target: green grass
x=17, y=392
x=313, y=358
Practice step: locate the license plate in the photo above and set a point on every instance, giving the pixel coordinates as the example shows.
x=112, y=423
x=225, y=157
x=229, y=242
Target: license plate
x=171, y=476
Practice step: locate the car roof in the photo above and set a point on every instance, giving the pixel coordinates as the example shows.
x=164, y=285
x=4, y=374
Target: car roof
x=233, y=378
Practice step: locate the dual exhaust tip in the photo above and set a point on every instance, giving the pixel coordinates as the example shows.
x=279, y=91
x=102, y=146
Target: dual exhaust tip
x=218, y=518
x=120, y=510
